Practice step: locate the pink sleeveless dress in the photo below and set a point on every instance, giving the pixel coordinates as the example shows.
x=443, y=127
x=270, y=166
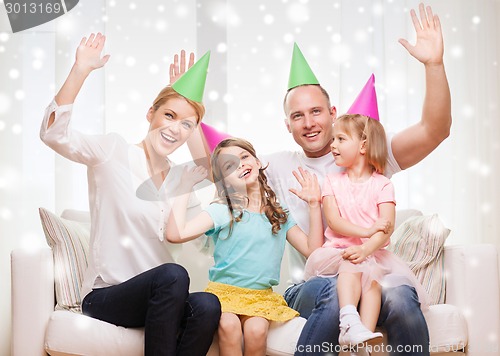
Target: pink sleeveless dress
x=358, y=203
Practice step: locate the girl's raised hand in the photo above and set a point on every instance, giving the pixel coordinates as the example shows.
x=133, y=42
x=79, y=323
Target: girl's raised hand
x=310, y=192
x=88, y=53
x=192, y=176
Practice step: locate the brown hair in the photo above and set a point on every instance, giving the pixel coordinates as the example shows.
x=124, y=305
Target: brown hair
x=323, y=91
x=373, y=132
x=273, y=210
x=168, y=93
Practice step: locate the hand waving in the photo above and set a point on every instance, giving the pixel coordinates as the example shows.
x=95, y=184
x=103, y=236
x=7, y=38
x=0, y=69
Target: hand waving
x=192, y=176
x=176, y=71
x=311, y=192
x=429, y=48
x=88, y=53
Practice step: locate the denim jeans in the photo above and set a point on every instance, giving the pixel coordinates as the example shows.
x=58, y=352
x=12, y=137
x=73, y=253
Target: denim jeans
x=317, y=301
x=175, y=322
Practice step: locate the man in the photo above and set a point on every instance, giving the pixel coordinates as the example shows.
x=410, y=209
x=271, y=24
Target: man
x=309, y=118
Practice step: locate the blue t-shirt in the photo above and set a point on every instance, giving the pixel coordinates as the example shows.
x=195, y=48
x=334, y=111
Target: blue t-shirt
x=251, y=256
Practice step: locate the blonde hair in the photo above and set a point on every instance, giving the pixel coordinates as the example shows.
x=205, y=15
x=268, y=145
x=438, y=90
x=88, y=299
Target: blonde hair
x=168, y=93
x=234, y=201
x=372, y=132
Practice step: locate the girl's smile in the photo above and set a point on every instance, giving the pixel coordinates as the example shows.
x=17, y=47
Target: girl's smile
x=239, y=167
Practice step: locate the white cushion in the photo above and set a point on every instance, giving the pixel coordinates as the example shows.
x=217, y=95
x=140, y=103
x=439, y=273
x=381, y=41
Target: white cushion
x=282, y=337
x=76, y=334
x=447, y=328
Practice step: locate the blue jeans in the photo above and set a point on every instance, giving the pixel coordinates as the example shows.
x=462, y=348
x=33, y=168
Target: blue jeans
x=317, y=301
x=175, y=322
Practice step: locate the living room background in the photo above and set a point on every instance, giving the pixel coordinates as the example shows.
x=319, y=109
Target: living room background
x=251, y=43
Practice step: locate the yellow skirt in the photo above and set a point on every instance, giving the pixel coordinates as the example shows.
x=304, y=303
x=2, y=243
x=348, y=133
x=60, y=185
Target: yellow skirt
x=251, y=302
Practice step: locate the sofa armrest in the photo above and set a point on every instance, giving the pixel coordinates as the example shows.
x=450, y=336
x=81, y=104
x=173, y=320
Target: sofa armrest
x=32, y=294
x=472, y=284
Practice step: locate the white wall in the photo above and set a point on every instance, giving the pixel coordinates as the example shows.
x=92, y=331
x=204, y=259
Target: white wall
x=344, y=41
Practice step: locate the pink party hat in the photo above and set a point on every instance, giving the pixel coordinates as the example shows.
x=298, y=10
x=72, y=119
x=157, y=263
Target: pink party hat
x=212, y=136
x=366, y=102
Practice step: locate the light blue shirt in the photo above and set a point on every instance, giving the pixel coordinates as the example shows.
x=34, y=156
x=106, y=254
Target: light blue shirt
x=251, y=256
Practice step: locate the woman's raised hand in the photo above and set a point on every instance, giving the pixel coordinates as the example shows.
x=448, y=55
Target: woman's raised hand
x=88, y=53
x=88, y=58
x=176, y=70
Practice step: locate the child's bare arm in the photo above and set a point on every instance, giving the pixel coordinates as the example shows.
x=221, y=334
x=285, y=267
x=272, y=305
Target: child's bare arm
x=344, y=227
x=178, y=229
x=358, y=253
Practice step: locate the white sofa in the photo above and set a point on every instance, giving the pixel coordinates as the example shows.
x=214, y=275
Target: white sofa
x=468, y=322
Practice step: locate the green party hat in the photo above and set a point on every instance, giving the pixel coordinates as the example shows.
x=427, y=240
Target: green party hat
x=300, y=72
x=192, y=83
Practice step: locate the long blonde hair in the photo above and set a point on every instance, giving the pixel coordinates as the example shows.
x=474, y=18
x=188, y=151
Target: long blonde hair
x=237, y=202
x=373, y=132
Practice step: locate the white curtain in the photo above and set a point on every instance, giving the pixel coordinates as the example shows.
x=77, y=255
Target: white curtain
x=344, y=42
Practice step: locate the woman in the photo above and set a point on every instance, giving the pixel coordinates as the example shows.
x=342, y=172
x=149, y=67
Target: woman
x=131, y=280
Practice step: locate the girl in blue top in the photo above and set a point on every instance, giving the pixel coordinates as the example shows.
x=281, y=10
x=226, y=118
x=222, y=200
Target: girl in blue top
x=249, y=229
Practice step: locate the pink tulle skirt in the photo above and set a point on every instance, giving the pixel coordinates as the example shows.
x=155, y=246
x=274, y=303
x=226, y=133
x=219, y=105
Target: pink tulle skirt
x=382, y=267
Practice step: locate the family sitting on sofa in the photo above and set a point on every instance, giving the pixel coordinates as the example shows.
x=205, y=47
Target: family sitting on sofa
x=262, y=201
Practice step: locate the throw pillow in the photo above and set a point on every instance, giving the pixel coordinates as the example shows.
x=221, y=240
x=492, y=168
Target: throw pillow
x=69, y=241
x=419, y=241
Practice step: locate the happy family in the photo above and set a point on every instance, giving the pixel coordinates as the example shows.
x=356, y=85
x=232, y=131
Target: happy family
x=331, y=198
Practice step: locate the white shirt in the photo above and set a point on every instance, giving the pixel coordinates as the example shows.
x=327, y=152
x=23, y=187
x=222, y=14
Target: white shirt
x=127, y=211
x=281, y=179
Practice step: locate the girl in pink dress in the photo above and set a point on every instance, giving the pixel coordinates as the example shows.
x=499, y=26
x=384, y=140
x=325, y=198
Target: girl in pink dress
x=359, y=207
